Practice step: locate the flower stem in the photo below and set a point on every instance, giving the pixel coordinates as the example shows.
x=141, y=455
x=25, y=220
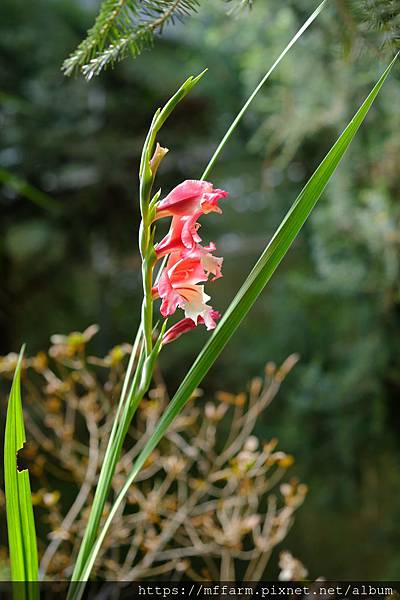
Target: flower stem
x=113, y=451
x=148, y=261
x=141, y=379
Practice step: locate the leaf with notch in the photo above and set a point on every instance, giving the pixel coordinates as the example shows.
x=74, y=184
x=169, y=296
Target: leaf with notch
x=20, y=520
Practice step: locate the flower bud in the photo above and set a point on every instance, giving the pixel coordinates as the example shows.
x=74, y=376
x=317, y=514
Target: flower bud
x=158, y=155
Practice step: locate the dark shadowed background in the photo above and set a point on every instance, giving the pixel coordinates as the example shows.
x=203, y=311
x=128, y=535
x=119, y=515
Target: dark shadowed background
x=69, y=217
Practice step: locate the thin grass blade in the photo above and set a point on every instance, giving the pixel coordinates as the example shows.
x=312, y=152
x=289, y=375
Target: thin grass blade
x=246, y=105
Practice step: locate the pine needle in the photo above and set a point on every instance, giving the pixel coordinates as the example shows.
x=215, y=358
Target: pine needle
x=124, y=27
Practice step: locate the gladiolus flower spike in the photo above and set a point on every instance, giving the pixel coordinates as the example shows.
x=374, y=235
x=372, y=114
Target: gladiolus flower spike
x=189, y=264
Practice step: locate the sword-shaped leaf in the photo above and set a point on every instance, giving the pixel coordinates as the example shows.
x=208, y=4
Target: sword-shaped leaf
x=20, y=521
x=244, y=299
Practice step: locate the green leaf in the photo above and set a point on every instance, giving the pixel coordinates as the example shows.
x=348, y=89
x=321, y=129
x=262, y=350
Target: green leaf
x=244, y=300
x=250, y=99
x=159, y=119
x=29, y=191
x=20, y=521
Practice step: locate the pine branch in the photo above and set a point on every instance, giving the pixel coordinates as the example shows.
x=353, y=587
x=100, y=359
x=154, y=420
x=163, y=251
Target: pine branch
x=137, y=41
x=123, y=27
x=381, y=17
x=97, y=35
x=239, y=5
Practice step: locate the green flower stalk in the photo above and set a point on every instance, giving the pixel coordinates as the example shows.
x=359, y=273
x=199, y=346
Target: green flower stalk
x=148, y=170
x=145, y=352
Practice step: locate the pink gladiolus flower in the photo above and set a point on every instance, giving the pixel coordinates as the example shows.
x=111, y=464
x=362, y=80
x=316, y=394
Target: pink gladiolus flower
x=186, y=325
x=178, y=286
x=189, y=264
x=190, y=197
x=172, y=244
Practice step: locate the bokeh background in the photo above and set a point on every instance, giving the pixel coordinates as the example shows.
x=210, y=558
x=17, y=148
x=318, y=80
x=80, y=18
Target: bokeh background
x=68, y=251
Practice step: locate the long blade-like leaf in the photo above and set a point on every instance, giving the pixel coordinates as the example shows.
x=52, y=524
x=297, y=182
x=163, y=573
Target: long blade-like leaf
x=250, y=99
x=20, y=521
x=29, y=191
x=245, y=298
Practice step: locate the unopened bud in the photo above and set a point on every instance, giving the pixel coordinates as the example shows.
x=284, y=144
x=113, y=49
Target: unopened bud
x=158, y=155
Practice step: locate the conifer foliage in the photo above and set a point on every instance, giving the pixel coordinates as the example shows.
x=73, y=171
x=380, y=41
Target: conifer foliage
x=380, y=16
x=124, y=27
x=127, y=27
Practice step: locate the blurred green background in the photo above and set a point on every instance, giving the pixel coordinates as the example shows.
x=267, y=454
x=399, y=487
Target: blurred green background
x=68, y=252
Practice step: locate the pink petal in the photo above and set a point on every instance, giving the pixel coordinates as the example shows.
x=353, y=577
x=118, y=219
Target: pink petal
x=177, y=330
x=186, y=270
x=186, y=325
x=210, y=319
x=173, y=240
x=190, y=237
x=210, y=201
x=184, y=199
x=170, y=298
